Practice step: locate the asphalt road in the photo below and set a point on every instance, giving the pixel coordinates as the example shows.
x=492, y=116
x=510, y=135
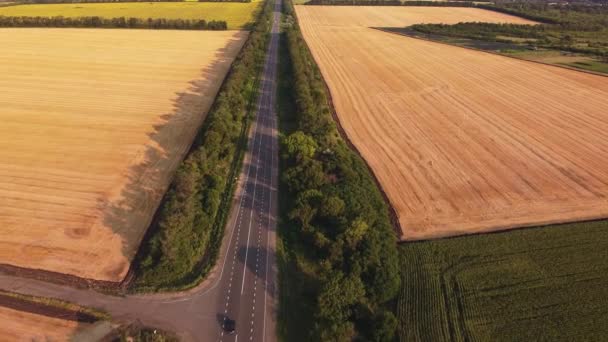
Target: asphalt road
x=242, y=286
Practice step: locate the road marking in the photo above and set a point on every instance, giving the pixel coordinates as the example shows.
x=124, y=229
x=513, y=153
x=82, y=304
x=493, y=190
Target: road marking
x=273, y=152
x=252, y=203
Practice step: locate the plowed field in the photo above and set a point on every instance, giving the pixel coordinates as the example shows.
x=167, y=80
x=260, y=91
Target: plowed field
x=462, y=141
x=94, y=124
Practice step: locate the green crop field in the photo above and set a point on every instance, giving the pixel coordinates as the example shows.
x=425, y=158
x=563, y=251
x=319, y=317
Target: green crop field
x=540, y=284
x=236, y=14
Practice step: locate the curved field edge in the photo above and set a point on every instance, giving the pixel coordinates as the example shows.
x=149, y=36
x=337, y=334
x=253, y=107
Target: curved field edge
x=421, y=117
x=529, y=284
x=184, y=241
x=336, y=250
x=87, y=219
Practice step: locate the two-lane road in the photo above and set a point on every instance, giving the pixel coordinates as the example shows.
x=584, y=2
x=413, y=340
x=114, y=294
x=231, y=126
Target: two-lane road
x=242, y=285
x=248, y=286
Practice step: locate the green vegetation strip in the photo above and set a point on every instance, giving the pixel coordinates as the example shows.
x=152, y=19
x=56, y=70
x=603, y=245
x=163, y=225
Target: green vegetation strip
x=391, y=3
x=337, y=251
x=42, y=302
x=187, y=237
x=237, y=15
x=544, y=283
x=122, y=22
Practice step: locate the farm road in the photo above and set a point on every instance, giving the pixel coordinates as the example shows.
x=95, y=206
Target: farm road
x=242, y=285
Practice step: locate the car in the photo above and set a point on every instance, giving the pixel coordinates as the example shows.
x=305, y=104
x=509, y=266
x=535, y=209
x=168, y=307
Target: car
x=229, y=326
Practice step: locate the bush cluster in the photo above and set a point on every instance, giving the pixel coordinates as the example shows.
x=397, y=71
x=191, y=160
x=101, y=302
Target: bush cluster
x=120, y=22
x=338, y=220
x=185, y=242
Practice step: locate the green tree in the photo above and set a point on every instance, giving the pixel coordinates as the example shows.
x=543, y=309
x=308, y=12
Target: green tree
x=335, y=302
x=355, y=232
x=298, y=146
x=303, y=176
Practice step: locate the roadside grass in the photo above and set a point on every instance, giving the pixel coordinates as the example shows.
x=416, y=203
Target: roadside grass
x=237, y=15
x=57, y=303
x=545, y=283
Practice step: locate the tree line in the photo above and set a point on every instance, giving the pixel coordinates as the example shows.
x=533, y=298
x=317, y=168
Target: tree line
x=483, y=31
x=184, y=242
x=575, y=17
x=453, y=3
x=120, y=22
x=336, y=221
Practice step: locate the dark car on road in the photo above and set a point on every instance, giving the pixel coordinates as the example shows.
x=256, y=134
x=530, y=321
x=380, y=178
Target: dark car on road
x=229, y=326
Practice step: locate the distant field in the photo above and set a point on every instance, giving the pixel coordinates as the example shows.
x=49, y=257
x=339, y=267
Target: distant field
x=541, y=284
x=462, y=141
x=237, y=15
x=94, y=124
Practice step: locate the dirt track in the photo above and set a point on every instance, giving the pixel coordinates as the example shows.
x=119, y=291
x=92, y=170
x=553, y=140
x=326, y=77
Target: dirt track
x=462, y=141
x=94, y=123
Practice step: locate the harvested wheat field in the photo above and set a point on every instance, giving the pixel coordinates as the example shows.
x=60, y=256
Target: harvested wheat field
x=24, y=326
x=236, y=14
x=94, y=124
x=463, y=141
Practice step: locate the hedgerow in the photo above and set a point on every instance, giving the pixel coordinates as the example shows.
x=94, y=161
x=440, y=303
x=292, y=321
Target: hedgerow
x=185, y=241
x=343, y=263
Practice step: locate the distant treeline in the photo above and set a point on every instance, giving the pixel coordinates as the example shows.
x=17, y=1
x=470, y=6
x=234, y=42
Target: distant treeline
x=185, y=241
x=483, y=31
x=391, y=3
x=522, y=14
x=121, y=22
x=342, y=269
x=568, y=16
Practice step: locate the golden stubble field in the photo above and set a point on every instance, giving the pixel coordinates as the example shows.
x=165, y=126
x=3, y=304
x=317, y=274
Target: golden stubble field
x=24, y=326
x=462, y=141
x=94, y=124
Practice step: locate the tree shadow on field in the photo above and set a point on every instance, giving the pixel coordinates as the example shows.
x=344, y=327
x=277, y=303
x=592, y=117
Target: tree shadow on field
x=153, y=168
